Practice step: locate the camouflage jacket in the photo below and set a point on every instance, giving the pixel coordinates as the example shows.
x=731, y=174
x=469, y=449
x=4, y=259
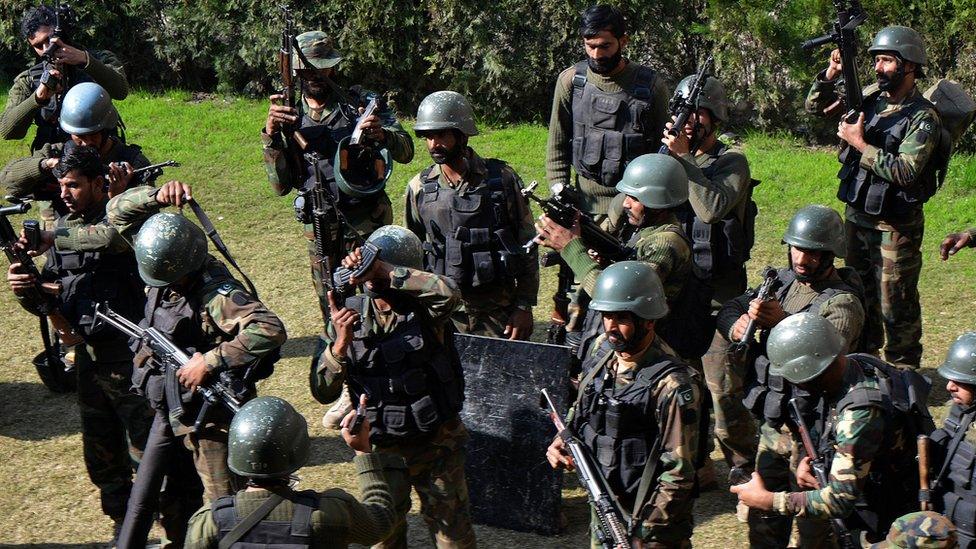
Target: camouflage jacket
x=526, y=267
x=438, y=295
x=856, y=435
x=18, y=115
x=667, y=513
x=725, y=190
x=339, y=520
x=664, y=246
x=237, y=327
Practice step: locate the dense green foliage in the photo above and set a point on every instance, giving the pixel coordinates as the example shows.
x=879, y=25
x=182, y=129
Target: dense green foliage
x=503, y=55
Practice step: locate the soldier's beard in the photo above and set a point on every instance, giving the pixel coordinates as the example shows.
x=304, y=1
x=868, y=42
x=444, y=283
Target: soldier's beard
x=893, y=82
x=621, y=344
x=315, y=89
x=605, y=65
x=441, y=155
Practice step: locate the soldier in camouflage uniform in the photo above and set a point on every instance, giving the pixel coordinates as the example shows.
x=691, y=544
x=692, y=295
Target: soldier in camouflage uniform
x=268, y=444
x=326, y=114
x=30, y=101
x=859, y=431
x=889, y=171
x=88, y=118
x=394, y=344
x=91, y=262
x=921, y=530
x=815, y=237
x=193, y=299
x=473, y=219
x=635, y=390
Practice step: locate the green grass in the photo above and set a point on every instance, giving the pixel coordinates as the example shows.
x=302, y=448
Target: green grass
x=48, y=498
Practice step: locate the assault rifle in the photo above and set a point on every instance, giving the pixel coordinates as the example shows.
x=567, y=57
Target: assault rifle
x=561, y=208
x=289, y=47
x=850, y=15
x=146, y=174
x=225, y=389
x=739, y=350
x=613, y=525
x=845, y=539
x=683, y=107
x=52, y=110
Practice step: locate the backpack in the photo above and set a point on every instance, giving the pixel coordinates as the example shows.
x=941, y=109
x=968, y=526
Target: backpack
x=956, y=109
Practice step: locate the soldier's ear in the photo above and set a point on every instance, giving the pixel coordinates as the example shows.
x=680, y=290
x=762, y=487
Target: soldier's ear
x=624, y=40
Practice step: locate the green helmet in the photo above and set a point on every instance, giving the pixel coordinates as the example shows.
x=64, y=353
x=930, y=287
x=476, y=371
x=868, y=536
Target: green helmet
x=817, y=228
x=656, y=180
x=630, y=286
x=801, y=347
x=921, y=529
x=267, y=438
x=906, y=42
x=87, y=108
x=168, y=247
x=960, y=361
x=317, y=47
x=445, y=110
x=398, y=246
x=712, y=96
x=362, y=177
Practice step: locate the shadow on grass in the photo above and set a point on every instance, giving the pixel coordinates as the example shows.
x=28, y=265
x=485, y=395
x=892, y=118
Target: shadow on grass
x=302, y=346
x=29, y=411
x=326, y=450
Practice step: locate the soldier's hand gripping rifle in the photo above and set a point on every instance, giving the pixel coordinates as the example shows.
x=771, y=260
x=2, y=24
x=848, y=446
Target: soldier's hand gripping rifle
x=222, y=390
x=51, y=111
x=850, y=15
x=682, y=107
x=288, y=48
x=845, y=539
x=739, y=350
x=40, y=299
x=613, y=524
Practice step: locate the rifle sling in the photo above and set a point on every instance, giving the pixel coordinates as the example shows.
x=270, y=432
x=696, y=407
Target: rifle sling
x=250, y=521
x=650, y=467
x=211, y=231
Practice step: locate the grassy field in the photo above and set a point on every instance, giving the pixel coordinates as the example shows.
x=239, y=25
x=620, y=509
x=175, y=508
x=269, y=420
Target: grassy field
x=48, y=500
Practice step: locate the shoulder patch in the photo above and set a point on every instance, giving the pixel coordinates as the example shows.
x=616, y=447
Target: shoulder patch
x=225, y=289
x=685, y=395
x=240, y=298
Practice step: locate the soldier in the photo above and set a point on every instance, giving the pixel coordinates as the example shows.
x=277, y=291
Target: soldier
x=327, y=114
x=268, y=444
x=953, y=486
x=634, y=391
x=193, y=299
x=472, y=217
x=88, y=118
x=926, y=529
x=811, y=283
x=33, y=95
x=864, y=438
x=606, y=111
x=91, y=263
x=889, y=171
x=394, y=344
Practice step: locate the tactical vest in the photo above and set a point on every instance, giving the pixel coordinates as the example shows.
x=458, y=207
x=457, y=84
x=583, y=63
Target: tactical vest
x=293, y=534
x=864, y=190
x=768, y=395
x=470, y=236
x=91, y=278
x=413, y=381
x=957, y=489
x=613, y=422
x=607, y=131
x=891, y=487
x=725, y=246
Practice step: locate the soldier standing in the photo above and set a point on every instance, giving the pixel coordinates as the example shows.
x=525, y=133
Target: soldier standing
x=92, y=263
x=863, y=436
x=326, y=115
x=268, y=443
x=394, y=344
x=33, y=95
x=635, y=391
x=194, y=300
x=953, y=485
x=888, y=172
x=811, y=283
x=473, y=219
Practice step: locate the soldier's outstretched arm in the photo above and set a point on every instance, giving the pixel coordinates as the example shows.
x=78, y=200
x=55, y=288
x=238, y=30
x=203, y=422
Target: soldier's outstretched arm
x=437, y=294
x=395, y=137
x=253, y=330
x=106, y=69
x=26, y=176
x=713, y=198
x=18, y=114
x=129, y=210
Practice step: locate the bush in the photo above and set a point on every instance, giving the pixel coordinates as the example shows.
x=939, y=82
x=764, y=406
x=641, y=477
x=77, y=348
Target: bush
x=503, y=55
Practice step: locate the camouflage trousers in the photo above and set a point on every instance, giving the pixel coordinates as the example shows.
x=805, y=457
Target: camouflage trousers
x=776, y=462
x=114, y=427
x=435, y=467
x=364, y=222
x=889, y=264
x=735, y=427
x=488, y=321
